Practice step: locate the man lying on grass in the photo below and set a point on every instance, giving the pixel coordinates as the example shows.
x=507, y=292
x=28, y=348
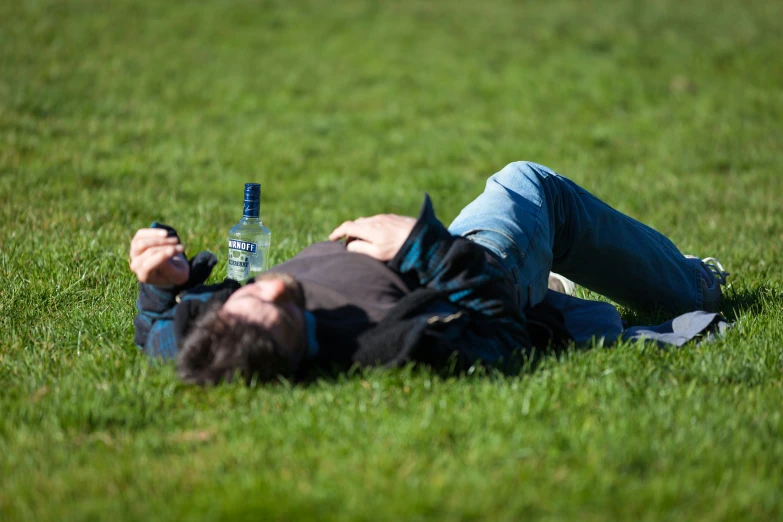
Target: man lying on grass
x=401, y=289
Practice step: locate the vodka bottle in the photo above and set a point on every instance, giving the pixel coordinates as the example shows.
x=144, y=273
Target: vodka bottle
x=248, y=240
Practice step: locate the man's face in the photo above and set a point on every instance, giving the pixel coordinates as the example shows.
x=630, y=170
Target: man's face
x=275, y=302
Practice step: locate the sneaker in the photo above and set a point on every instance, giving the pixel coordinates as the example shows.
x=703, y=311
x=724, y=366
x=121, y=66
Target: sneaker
x=560, y=284
x=713, y=276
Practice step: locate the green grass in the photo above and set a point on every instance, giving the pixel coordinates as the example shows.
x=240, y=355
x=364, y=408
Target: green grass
x=115, y=114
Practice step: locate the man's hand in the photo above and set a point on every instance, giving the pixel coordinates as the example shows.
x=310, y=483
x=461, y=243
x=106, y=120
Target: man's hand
x=380, y=237
x=157, y=259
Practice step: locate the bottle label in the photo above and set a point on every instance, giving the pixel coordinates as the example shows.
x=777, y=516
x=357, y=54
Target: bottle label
x=240, y=254
x=243, y=246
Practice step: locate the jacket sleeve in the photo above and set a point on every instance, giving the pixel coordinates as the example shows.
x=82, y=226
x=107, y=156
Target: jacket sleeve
x=488, y=324
x=154, y=323
x=157, y=306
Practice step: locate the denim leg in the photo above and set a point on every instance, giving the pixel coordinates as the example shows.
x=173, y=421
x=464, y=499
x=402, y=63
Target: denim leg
x=537, y=220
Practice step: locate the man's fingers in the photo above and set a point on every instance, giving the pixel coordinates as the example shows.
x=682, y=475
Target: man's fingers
x=140, y=264
x=340, y=231
x=362, y=247
x=156, y=261
x=147, y=237
x=358, y=228
x=150, y=232
x=152, y=259
x=140, y=244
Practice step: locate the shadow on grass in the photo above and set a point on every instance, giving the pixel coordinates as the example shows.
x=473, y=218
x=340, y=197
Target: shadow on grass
x=524, y=364
x=756, y=300
x=738, y=302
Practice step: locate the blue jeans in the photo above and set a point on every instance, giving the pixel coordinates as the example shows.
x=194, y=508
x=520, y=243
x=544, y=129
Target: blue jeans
x=536, y=220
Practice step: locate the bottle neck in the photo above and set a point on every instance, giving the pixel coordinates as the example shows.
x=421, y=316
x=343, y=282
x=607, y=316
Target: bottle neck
x=251, y=209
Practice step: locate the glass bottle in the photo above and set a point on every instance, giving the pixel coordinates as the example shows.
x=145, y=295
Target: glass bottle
x=248, y=240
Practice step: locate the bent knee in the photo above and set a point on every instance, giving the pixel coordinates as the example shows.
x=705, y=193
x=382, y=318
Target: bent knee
x=530, y=168
x=522, y=173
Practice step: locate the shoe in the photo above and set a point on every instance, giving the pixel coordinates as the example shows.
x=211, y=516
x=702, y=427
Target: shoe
x=560, y=284
x=713, y=276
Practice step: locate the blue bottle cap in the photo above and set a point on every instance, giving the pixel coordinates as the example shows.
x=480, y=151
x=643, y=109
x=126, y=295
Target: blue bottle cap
x=252, y=200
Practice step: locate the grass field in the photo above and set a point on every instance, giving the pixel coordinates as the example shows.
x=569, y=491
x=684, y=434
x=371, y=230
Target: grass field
x=115, y=114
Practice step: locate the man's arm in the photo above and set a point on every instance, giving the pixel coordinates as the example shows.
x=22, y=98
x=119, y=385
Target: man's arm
x=156, y=257
x=158, y=260
x=494, y=329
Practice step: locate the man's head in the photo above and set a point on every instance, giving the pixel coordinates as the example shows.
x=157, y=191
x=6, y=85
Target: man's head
x=259, y=332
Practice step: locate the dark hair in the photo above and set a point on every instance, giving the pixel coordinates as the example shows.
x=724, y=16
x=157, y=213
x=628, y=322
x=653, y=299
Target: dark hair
x=216, y=350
